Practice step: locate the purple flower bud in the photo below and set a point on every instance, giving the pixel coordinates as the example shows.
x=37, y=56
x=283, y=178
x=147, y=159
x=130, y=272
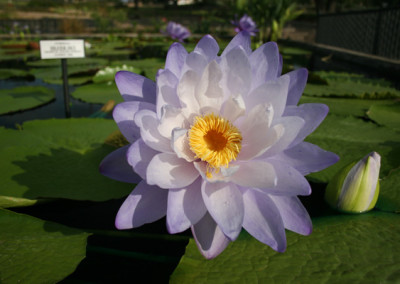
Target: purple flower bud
x=246, y=24
x=177, y=31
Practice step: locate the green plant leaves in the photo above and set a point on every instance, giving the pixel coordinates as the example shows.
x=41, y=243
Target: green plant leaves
x=350, y=85
x=99, y=93
x=345, y=248
x=36, y=251
x=23, y=98
x=58, y=158
x=388, y=115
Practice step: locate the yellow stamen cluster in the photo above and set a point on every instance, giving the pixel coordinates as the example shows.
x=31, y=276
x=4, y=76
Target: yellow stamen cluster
x=215, y=140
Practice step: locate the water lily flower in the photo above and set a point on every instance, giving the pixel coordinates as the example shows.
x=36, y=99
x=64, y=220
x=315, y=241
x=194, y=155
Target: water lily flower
x=355, y=188
x=245, y=23
x=217, y=145
x=177, y=31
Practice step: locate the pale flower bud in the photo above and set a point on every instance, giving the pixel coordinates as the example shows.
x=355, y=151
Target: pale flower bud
x=355, y=188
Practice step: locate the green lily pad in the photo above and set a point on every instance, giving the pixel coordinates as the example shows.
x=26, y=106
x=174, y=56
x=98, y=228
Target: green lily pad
x=98, y=93
x=345, y=248
x=70, y=62
x=54, y=74
x=13, y=73
x=58, y=158
x=23, y=98
x=388, y=115
x=36, y=251
x=345, y=106
x=351, y=85
x=389, y=196
x=352, y=138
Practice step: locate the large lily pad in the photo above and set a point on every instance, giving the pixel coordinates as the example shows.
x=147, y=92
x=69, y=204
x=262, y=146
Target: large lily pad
x=58, y=158
x=36, y=251
x=71, y=62
x=351, y=85
x=388, y=115
x=346, y=106
x=23, y=98
x=389, y=196
x=352, y=138
x=342, y=248
x=99, y=93
x=7, y=73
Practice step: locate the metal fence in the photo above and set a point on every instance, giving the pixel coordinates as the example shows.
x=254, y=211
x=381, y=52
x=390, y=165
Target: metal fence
x=375, y=32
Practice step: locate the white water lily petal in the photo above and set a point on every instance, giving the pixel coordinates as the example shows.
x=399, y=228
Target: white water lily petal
x=180, y=144
x=291, y=126
x=167, y=83
x=233, y=108
x=209, y=238
x=175, y=59
x=139, y=156
x=221, y=176
x=295, y=217
x=288, y=180
x=241, y=39
x=263, y=221
x=134, y=87
x=171, y=117
x=194, y=62
x=208, y=92
x=224, y=202
x=186, y=93
x=208, y=47
x=307, y=158
x=135, y=212
x=123, y=115
x=313, y=115
x=298, y=81
x=265, y=64
x=148, y=123
x=185, y=207
x=168, y=171
x=258, y=174
x=236, y=72
x=272, y=92
x=256, y=133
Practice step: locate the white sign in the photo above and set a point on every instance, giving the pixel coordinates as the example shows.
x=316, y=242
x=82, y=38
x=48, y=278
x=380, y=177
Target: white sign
x=52, y=49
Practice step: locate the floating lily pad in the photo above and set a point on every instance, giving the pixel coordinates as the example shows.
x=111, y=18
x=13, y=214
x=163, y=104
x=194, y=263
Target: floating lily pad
x=346, y=106
x=389, y=196
x=58, y=158
x=36, y=251
x=13, y=73
x=70, y=62
x=346, y=248
x=23, y=98
x=388, y=115
x=351, y=85
x=352, y=138
x=98, y=93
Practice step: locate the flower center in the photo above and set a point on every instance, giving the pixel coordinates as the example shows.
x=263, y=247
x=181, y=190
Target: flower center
x=215, y=140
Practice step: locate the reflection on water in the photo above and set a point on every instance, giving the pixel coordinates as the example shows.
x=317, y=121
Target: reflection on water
x=54, y=109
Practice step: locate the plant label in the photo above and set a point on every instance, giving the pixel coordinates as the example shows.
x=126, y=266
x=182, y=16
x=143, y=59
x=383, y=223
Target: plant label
x=53, y=49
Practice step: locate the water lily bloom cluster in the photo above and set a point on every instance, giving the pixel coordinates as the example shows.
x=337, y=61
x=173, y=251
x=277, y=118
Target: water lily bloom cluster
x=177, y=31
x=217, y=144
x=247, y=24
x=355, y=188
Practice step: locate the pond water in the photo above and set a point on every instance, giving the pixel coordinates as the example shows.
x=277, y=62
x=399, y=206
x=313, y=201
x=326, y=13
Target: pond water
x=54, y=109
